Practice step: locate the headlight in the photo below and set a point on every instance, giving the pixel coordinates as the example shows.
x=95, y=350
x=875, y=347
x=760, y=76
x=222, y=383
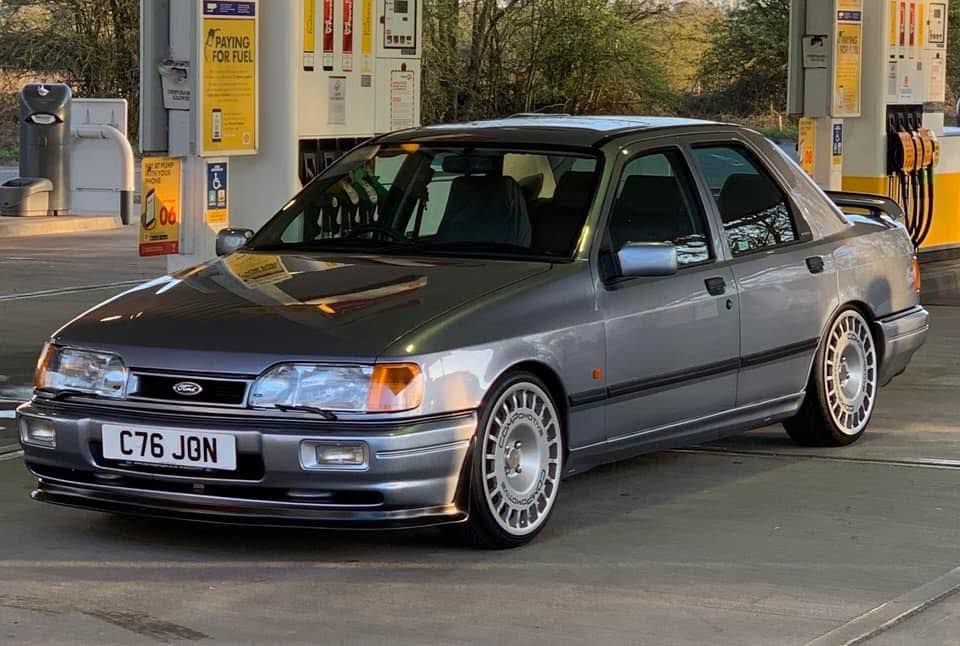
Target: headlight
x=95, y=373
x=384, y=388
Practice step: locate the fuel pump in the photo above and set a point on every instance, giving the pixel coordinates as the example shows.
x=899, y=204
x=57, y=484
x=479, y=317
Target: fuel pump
x=912, y=154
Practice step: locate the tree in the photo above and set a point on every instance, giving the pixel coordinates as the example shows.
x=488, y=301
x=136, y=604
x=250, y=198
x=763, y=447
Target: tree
x=91, y=44
x=744, y=71
x=486, y=58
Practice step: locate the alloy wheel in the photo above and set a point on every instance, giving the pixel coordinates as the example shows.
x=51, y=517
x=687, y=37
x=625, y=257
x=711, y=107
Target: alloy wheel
x=522, y=453
x=850, y=373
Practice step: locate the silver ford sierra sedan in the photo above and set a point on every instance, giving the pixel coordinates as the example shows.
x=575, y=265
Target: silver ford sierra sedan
x=450, y=320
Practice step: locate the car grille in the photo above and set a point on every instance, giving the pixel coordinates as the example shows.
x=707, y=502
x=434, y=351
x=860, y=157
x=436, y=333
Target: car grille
x=195, y=390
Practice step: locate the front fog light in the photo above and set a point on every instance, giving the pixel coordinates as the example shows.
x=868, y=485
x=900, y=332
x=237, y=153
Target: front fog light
x=341, y=455
x=39, y=432
x=334, y=455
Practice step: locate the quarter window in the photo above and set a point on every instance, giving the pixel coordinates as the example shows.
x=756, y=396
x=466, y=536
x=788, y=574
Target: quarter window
x=754, y=209
x=656, y=203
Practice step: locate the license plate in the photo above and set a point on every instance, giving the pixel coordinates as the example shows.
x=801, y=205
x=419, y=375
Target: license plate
x=170, y=447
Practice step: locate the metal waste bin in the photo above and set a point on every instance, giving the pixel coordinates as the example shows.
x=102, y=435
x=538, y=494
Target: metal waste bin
x=45, y=139
x=25, y=196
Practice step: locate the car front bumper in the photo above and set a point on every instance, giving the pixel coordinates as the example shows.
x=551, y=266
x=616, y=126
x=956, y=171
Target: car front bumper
x=901, y=336
x=412, y=477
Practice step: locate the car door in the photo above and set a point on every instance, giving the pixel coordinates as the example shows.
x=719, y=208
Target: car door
x=672, y=342
x=786, y=277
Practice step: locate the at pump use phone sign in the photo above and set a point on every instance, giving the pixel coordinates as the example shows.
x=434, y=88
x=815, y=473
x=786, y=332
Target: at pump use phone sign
x=160, y=207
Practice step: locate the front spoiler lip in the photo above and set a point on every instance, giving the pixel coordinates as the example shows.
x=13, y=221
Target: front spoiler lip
x=234, y=511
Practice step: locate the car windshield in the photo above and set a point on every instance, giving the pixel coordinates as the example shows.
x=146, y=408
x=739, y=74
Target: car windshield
x=441, y=200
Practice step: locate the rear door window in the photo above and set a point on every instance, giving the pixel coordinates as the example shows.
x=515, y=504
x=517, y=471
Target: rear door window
x=754, y=209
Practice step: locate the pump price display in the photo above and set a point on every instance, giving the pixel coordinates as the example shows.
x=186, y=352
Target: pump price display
x=160, y=207
x=229, y=86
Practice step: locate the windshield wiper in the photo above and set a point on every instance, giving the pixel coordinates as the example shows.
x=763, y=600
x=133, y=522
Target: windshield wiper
x=324, y=414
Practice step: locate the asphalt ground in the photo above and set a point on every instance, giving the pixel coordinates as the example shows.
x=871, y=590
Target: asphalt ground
x=746, y=541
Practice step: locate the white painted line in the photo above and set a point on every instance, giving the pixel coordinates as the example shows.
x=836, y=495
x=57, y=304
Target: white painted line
x=888, y=615
x=921, y=463
x=11, y=456
x=69, y=290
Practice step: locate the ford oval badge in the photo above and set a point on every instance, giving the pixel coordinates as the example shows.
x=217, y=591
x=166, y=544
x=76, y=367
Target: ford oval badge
x=188, y=389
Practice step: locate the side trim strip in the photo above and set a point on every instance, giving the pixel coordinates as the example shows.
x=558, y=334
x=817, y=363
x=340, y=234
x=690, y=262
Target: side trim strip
x=632, y=388
x=753, y=360
x=674, y=378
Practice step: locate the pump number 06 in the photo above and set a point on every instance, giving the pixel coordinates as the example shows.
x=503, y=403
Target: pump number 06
x=167, y=216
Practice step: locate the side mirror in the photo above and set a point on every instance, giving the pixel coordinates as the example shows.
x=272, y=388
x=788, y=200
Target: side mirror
x=229, y=240
x=647, y=259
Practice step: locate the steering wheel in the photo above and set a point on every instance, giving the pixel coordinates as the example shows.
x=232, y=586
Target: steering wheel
x=393, y=234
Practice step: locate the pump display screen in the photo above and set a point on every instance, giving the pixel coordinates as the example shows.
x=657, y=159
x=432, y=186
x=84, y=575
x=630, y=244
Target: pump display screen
x=400, y=25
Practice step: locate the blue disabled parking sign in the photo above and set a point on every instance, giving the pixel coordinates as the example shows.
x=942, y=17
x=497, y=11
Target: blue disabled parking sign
x=217, y=192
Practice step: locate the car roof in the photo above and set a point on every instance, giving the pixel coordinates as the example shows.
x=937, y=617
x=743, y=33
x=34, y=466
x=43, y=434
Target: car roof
x=560, y=130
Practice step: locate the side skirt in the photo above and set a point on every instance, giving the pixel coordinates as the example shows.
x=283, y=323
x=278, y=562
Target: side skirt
x=695, y=431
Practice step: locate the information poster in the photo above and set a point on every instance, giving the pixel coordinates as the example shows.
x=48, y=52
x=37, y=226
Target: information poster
x=216, y=210
x=402, y=95
x=337, y=101
x=328, y=35
x=229, y=87
x=160, y=206
x=309, y=34
x=366, y=37
x=836, y=154
x=348, y=20
x=806, y=143
x=848, y=72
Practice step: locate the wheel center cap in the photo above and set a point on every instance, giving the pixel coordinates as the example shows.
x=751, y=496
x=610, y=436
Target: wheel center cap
x=844, y=373
x=513, y=459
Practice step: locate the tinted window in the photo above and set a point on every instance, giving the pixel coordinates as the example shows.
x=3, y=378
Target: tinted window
x=754, y=210
x=656, y=203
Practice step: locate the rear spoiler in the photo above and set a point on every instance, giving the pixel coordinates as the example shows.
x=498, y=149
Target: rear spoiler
x=874, y=206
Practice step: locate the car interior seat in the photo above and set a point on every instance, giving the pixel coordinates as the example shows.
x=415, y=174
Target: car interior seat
x=485, y=208
x=744, y=195
x=557, y=222
x=649, y=209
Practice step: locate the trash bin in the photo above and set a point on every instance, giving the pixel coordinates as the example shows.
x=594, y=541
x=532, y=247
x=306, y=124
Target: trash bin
x=25, y=196
x=45, y=139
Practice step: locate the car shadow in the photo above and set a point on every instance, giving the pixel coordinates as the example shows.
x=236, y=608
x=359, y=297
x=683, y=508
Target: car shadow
x=630, y=490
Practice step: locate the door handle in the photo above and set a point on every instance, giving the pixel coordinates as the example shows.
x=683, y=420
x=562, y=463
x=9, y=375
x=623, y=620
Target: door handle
x=815, y=264
x=716, y=286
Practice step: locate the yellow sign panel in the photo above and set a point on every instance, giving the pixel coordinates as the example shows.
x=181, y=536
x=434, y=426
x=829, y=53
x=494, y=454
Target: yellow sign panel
x=160, y=207
x=309, y=34
x=806, y=143
x=228, y=83
x=848, y=69
x=366, y=37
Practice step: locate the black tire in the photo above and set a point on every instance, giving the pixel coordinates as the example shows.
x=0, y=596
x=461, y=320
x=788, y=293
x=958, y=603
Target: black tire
x=485, y=528
x=827, y=417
